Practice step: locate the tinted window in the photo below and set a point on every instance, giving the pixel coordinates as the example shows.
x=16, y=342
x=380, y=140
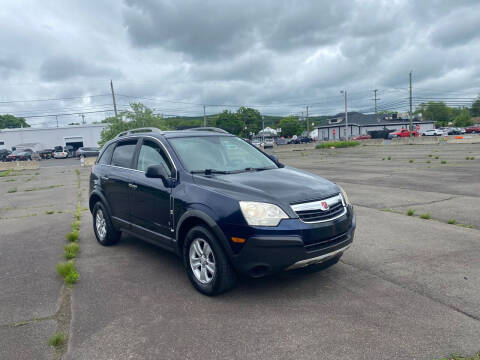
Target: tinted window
x=152, y=154
x=106, y=155
x=123, y=154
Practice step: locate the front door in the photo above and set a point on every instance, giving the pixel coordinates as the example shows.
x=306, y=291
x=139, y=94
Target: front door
x=151, y=200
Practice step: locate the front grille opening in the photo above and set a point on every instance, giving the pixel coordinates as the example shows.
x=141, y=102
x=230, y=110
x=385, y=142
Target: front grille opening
x=319, y=215
x=326, y=243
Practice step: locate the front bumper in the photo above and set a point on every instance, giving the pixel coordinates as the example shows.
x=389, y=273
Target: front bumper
x=292, y=244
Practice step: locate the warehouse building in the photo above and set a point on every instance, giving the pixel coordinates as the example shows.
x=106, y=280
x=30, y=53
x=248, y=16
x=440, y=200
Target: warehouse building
x=361, y=124
x=47, y=138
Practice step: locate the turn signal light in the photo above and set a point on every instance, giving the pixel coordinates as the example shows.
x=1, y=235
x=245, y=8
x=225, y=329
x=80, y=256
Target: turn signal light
x=238, y=240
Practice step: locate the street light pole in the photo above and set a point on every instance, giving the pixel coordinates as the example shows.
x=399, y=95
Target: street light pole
x=344, y=92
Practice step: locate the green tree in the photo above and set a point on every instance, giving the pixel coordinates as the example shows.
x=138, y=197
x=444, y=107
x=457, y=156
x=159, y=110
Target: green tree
x=290, y=126
x=476, y=107
x=435, y=111
x=230, y=122
x=139, y=116
x=463, y=119
x=250, y=119
x=9, y=122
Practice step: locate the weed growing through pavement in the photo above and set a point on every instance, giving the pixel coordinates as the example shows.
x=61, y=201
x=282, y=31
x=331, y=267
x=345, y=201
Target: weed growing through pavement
x=452, y=221
x=49, y=212
x=430, y=155
x=68, y=272
x=436, y=157
x=71, y=250
x=8, y=180
x=425, y=216
x=57, y=340
x=410, y=212
x=410, y=161
x=389, y=158
x=443, y=161
x=428, y=161
x=13, y=190
x=72, y=236
x=75, y=225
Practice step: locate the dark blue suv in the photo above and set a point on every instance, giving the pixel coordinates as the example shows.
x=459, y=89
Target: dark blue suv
x=224, y=206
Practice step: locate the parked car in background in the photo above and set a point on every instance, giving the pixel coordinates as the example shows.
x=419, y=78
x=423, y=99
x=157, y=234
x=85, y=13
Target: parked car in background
x=361, y=137
x=61, y=152
x=454, y=131
x=403, y=133
x=46, y=153
x=268, y=143
x=86, y=152
x=221, y=205
x=3, y=154
x=432, y=132
x=20, y=155
x=472, y=130
x=257, y=143
x=281, y=141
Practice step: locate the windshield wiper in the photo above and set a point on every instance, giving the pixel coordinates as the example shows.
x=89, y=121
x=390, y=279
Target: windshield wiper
x=258, y=169
x=210, y=171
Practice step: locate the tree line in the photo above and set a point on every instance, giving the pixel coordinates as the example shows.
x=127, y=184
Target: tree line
x=443, y=114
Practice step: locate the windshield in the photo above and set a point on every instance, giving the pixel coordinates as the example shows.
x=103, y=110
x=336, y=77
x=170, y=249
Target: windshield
x=219, y=153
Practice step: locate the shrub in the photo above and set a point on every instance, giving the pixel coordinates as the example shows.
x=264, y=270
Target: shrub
x=72, y=236
x=410, y=212
x=71, y=250
x=57, y=340
x=337, y=144
x=425, y=216
x=452, y=221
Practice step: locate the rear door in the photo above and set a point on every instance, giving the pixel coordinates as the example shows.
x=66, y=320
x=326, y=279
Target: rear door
x=116, y=181
x=151, y=200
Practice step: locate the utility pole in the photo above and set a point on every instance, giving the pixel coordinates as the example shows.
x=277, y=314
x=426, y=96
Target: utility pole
x=344, y=92
x=113, y=97
x=204, y=118
x=83, y=118
x=263, y=128
x=410, y=114
x=56, y=118
x=307, y=122
x=375, y=100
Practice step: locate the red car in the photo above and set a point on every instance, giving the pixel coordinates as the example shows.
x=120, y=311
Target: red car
x=472, y=129
x=404, y=133
x=362, y=137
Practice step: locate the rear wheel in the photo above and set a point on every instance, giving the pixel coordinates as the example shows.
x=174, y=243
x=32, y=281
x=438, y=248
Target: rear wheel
x=206, y=263
x=103, y=227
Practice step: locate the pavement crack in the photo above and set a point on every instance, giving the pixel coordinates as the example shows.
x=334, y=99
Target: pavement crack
x=27, y=322
x=63, y=318
x=426, y=203
x=403, y=286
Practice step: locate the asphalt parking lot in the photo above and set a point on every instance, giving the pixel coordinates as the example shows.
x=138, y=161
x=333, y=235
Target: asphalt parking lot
x=408, y=288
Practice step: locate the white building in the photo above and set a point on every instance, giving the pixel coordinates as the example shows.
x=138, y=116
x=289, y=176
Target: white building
x=361, y=124
x=74, y=135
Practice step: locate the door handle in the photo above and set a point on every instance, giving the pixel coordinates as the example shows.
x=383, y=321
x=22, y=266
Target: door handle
x=132, y=186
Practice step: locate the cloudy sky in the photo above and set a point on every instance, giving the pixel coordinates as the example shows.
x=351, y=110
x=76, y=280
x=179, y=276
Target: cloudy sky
x=278, y=56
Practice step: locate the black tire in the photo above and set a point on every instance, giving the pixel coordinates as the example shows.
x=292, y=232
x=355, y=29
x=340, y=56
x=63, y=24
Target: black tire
x=224, y=277
x=111, y=236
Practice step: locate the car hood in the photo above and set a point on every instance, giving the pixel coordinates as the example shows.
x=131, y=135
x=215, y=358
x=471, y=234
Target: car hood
x=282, y=186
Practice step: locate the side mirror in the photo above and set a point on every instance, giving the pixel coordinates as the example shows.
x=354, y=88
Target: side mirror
x=159, y=172
x=275, y=160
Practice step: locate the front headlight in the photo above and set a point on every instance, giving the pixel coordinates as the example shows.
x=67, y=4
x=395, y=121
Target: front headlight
x=345, y=197
x=262, y=214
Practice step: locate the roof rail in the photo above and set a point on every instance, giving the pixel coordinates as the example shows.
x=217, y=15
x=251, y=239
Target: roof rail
x=214, y=129
x=139, y=130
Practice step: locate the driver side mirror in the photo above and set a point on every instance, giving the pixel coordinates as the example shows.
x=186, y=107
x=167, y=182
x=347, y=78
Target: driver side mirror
x=275, y=160
x=159, y=172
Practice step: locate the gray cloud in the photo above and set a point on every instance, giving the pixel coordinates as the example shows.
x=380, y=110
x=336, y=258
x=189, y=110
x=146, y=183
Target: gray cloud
x=281, y=53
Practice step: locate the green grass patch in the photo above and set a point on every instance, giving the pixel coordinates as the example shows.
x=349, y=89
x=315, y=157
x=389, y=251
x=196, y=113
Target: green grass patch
x=472, y=158
x=459, y=357
x=49, y=212
x=5, y=173
x=425, y=216
x=389, y=158
x=8, y=180
x=68, y=272
x=428, y=161
x=71, y=250
x=430, y=155
x=436, y=157
x=337, y=144
x=56, y=340
x=410, y=161
x=452, y=221
x=443, y=161
x=75, y=225
x=410, y=212
x=13, y=190
x=77, y=172
x=72, y=236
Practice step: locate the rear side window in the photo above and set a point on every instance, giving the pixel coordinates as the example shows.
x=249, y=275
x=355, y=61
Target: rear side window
x=106, y=155
x=123, y=154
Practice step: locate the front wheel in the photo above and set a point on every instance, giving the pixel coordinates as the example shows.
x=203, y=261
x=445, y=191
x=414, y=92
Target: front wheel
x=206, y=263
x=103, y=227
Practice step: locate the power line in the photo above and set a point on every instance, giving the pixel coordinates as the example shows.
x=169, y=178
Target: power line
x=53, y=99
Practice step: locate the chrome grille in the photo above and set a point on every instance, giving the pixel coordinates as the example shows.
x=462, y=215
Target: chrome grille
x=311, y=212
